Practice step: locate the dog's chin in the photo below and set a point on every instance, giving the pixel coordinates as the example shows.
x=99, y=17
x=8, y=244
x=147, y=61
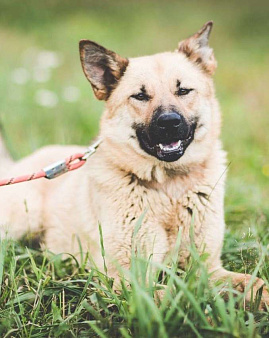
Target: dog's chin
x=167, y=151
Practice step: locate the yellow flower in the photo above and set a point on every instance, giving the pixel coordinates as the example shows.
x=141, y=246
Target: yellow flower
x=265, y=170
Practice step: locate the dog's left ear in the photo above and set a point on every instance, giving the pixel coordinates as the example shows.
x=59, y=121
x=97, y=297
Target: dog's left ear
x=102, y=67
x=196, y=48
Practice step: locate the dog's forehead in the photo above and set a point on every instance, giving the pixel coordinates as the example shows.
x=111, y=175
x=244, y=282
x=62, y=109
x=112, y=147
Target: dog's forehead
x=165, y=67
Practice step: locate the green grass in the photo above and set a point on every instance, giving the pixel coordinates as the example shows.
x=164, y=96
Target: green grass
x=42, y=295
x=45, y=296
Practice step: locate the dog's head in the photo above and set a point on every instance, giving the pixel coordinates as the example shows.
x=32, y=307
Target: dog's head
x=161, y=108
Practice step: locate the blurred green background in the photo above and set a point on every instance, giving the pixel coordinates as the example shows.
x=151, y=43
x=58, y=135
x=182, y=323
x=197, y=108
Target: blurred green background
x=45, y=97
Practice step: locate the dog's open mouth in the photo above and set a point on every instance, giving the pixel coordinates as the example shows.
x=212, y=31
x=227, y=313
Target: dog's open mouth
x=166, y=150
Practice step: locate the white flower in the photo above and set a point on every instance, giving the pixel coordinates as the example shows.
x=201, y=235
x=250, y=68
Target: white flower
x=46, y=98
x=71, y=94
x=20, y=76
x=41, y=75
x=48, y=59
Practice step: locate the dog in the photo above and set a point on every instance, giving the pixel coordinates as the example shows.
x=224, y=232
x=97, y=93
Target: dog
x=160, y=155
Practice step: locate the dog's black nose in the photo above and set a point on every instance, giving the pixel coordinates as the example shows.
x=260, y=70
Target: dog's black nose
x=169, y=120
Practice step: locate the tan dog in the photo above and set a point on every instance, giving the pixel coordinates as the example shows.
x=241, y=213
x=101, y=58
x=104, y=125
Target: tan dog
x=160, y=152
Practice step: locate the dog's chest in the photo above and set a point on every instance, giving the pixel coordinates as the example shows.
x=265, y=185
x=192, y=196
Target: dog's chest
x=181, y=212
x=165, y=210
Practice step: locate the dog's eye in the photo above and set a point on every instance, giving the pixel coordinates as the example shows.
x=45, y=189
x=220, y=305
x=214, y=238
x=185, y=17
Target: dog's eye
x=183, y=91
x=141, y=97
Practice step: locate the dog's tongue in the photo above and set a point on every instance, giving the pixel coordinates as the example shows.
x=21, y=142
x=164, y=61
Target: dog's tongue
x=170, y=145
x=173, y=144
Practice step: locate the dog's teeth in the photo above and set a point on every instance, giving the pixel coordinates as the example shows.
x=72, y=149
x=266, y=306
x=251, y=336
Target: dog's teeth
x=171, y=146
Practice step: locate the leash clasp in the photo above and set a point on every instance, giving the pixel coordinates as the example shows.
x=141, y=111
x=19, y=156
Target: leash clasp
x=91, y=150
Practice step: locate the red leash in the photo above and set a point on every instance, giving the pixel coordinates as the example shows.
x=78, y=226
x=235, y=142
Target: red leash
x=56, y=169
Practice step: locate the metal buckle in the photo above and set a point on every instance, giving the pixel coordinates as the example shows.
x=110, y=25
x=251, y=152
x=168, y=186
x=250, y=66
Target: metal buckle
x=91, y=150
x=56, y=169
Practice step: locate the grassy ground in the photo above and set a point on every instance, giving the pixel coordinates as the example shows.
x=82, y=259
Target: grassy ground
x=43, y=296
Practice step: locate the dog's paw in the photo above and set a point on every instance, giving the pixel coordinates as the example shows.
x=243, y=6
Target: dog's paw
x=255, y=293
x=258, y=294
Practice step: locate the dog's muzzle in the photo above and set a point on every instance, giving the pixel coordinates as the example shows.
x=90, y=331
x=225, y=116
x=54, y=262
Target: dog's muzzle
x=167, y=136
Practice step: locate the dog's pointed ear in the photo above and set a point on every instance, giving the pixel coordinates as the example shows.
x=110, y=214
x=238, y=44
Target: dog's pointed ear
x=102, y=67
x=196, y=48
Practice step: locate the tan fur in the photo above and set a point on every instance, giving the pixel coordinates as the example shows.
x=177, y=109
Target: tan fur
x=121, y=181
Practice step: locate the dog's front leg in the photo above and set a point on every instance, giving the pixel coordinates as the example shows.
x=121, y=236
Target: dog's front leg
x=130, y=249
x=244, y=283
x=210, y=240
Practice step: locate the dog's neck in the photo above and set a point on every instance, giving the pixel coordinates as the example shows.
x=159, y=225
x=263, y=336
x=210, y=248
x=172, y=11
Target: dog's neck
x=154, y=174
x=177, y=182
